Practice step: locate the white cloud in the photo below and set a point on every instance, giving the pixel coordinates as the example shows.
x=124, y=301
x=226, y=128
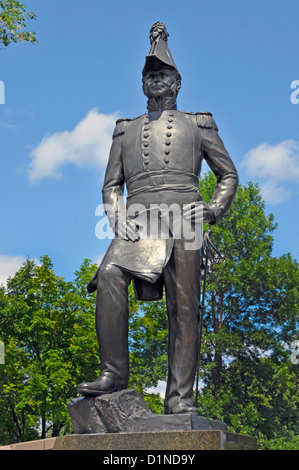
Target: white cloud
x=9, y=265
x=274, y=192
x=274, y=166
x=88, y=144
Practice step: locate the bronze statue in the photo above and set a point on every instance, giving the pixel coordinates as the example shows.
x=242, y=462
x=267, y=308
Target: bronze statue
x=158, y=157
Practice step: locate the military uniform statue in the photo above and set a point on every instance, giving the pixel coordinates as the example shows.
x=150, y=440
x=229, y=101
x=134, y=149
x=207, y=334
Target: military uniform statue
x=158, y=157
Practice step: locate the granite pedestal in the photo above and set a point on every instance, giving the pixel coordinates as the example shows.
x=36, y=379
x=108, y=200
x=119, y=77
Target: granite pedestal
x=156, y=441
x=123, y=421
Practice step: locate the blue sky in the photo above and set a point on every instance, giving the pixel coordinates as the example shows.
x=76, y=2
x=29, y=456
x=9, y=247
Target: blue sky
x=63, y=95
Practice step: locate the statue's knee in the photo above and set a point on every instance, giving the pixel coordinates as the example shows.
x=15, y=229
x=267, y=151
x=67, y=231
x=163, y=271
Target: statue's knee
x=108, y=274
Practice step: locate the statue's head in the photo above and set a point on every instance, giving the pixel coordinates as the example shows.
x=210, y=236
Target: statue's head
x=160, y=76
x=161, y=80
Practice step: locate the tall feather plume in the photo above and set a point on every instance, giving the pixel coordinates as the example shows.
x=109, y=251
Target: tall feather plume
x=158, y=31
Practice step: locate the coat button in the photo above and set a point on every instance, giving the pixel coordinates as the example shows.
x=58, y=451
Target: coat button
x=169, y=134
x=146, y=162
x=145, y=136
x=167, y=143
x=167, y=152
x=166, y=160
x=146, y=144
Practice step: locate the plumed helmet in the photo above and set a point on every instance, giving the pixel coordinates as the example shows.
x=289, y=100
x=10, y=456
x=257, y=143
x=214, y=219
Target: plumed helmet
x=159, y=53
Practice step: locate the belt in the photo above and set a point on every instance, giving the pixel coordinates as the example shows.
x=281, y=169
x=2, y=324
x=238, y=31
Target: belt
x=174, y=180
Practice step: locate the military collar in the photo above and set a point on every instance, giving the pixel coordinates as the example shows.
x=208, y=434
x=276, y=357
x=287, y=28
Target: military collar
x=161, y=104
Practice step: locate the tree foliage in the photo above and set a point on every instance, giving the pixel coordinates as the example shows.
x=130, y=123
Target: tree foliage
x=251, y=320
x=47, y=326
x=13, y=23
x=247, y=377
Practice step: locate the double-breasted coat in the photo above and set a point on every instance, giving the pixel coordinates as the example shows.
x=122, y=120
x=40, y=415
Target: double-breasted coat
x=158, y=156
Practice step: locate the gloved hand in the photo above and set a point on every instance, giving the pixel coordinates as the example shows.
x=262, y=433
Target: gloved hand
x=127, y=230
x=198, y=212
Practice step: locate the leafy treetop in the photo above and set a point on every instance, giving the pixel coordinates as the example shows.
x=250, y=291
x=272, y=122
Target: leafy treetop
x=13, y=19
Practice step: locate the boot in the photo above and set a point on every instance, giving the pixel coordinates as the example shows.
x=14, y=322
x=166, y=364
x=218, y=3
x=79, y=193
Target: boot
x=106, y=383
x=182, y=408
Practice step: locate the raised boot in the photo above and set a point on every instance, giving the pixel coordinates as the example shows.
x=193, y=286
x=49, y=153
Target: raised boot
x=106, y=383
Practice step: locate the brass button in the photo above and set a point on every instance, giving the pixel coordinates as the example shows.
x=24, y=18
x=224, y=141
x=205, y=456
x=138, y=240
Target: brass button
x=169, y=127
x=145, y=154
x=169, y=134
x=167, y=143
x=145, y=136
x=166, y=160
x=145, y=144
x=167, y=152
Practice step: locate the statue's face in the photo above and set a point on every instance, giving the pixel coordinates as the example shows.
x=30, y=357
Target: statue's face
x=160, y=82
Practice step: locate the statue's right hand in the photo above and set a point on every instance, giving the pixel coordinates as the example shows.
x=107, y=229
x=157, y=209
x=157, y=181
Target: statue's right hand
x=128, y=230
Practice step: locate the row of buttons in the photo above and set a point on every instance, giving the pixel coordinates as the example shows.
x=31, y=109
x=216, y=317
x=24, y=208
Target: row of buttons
x=167, y=143
x=146, y=144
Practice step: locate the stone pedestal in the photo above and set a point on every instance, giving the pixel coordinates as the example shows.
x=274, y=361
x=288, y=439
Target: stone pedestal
x=126, y=411
x=157, y=441
x=123, y=421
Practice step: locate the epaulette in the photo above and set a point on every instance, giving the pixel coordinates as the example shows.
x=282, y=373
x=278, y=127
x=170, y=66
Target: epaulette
x=205, y=119
x=120, y=127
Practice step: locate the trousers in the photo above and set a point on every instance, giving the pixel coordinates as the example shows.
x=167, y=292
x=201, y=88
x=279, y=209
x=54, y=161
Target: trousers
x=182, y=290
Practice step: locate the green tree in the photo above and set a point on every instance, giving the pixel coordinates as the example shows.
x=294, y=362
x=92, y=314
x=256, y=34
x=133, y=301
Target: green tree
x=251, y=320
x=47, y=326
x=13, y=23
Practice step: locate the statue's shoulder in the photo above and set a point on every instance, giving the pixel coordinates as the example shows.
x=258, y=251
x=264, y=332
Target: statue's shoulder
x=122, y=124
x=205, y=120
x=120, y=127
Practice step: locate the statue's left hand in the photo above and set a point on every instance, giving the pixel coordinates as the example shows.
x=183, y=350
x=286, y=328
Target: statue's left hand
x=198, y=212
